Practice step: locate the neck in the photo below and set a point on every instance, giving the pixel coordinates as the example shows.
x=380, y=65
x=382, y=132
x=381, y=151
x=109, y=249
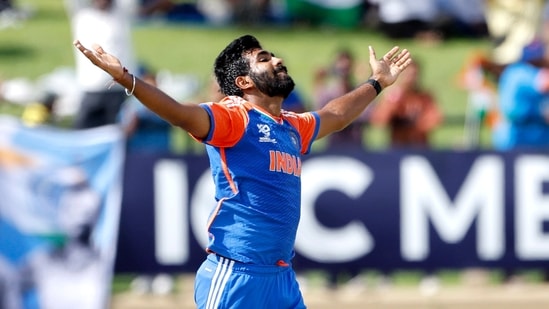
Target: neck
x=272, y=105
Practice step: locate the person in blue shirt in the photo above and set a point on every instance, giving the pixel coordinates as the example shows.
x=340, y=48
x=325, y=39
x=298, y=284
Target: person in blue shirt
x=523, y=91
x=255, y=149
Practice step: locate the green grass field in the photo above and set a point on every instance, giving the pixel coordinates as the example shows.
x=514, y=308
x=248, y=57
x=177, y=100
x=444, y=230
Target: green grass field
x=43, y=43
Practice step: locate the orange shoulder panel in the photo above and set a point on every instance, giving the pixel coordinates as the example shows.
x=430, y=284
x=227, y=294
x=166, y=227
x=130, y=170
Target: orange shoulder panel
x=230, y=121
x=305, y=124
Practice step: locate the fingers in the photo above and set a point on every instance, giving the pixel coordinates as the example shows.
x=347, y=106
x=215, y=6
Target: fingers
x=95, y=48
x=390, y=54
x=393, y=57
x=403, y=56
x=98, y=49
x=79, y=45
x=396, y=57
x=372, y=53
x=403, y=59
x=399, y=59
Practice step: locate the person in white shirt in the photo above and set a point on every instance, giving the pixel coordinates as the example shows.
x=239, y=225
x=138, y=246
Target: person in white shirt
x=408, y=19
x=109, y=24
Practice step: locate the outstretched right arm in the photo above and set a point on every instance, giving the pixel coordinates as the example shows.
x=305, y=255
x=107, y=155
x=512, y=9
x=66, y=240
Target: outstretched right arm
x=188, y=116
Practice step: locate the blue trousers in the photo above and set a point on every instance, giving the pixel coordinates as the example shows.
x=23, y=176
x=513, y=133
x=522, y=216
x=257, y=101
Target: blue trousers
x=225, y=283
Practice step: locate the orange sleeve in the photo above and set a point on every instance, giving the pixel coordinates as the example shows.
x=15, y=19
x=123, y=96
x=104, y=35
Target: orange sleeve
x=307, y=124
x=228, y=121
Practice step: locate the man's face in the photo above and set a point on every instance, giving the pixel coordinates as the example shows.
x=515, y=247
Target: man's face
x=270, y=75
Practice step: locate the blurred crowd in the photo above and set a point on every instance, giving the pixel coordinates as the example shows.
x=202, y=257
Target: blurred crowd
x=12, y=15
x=507, y=86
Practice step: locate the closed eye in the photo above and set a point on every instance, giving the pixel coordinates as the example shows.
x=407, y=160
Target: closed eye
x=264, y=56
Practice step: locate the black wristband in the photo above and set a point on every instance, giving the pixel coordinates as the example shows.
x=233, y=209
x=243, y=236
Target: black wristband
x=374, y=84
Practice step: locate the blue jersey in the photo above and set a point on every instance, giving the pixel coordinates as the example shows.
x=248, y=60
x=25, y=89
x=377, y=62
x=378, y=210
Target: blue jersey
x=255, y=160
x=522, y=104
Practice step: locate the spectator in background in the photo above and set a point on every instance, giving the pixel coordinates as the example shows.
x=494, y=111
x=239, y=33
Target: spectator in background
x=512, y=25
x=523, y=90
x=11, y=14
x=40, y=112
x=332, y=82
x=109, y=24
x=477, y=77
x=170, y=11
x=10, y=285
x=465, y=18
x=222, y=12
x=523, y=93
x=403, y=19
x=250, y=12
x=6, y=4
x=545, y=22
x=430, y=20
x=145, y=130
x=408, y=110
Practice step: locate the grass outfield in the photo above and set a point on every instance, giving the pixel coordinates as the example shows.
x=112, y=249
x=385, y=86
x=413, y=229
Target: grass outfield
x=474, y=292
x=43, y=43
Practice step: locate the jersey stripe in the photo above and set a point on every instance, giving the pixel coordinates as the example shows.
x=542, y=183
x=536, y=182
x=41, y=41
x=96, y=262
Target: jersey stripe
x=226, y=170
x=219, y=281
x=215, y=212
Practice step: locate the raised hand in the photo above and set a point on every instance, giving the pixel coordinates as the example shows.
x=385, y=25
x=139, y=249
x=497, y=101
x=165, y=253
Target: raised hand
x=102, y=59
x=387, y=69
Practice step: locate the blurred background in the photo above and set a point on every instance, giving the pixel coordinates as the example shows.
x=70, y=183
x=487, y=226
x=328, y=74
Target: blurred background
x=38, y=44
x=449, y=141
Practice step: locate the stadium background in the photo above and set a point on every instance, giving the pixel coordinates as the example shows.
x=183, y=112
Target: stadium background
x=42, y=44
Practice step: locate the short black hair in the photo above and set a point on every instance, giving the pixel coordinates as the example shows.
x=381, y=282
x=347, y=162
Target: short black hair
x=231, y=63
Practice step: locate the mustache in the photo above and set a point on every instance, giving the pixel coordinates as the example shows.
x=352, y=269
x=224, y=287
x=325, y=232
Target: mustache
x=281, y=69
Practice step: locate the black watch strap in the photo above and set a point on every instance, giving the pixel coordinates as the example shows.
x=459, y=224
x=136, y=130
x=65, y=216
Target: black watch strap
x=374, y=84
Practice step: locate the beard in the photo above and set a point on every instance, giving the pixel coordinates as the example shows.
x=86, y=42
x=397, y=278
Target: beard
x=277, y=85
